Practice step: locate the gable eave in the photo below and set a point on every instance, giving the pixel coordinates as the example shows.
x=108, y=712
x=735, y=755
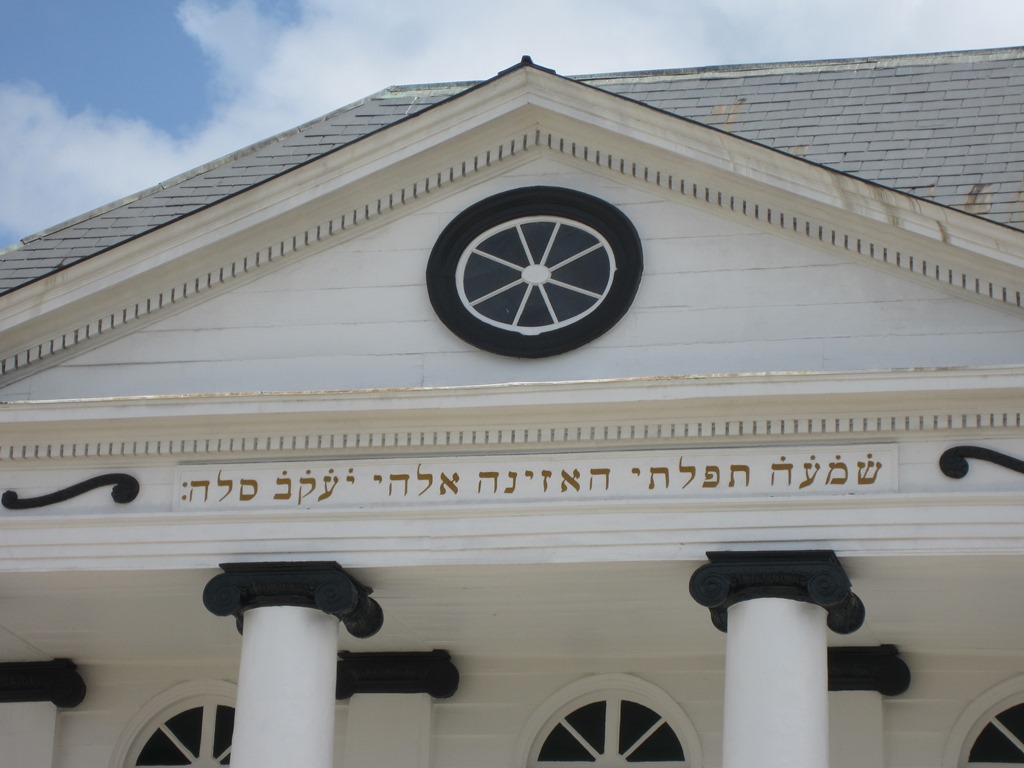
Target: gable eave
x=529, y=104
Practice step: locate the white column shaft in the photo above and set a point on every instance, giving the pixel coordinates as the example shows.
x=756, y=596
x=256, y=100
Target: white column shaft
x=388, y=729
x=776, y=685
x=27, y=734
x=286, y=687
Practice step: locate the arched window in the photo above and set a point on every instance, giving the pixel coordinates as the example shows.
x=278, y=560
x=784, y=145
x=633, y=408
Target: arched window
x=611, y=721
x=990, y=732
x=189, y=725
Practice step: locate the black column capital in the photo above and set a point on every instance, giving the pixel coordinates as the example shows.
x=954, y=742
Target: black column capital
x=868, y=668
x=417, y=672
x=321, y=585
x=809, y=576
x=55, y=681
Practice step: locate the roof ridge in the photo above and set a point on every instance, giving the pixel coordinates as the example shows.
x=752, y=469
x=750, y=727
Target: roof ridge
x=990, y=54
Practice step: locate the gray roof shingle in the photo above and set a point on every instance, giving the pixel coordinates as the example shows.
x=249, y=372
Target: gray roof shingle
x=939, y=126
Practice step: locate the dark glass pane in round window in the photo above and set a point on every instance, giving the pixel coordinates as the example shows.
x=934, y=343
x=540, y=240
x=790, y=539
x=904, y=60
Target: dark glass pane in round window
x=507, y=245
x=590, y=273
x=538, y=237
x=485, y=276
x=160, y=750
x=992, y=746
x=503, y=307
x=187, y=727
x=562, y=747
x=224, y=726
x=535, y=310
x=661, y=746
x=1013, y=719
x=635, y=721
x=588, y=721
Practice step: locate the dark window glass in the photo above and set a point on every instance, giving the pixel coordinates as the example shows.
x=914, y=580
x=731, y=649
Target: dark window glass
x=538, y=235
x=661, y=746
x=1013, y=719
x=484, y=276
x=187, y=728
x=992, y=746
x=588, y=721
x=160, y=750
x=635, y=720
x=562, y=747
x=535, y=313
x=223, y=728
x=589, y=273
x=505, y=245
x=571, y=241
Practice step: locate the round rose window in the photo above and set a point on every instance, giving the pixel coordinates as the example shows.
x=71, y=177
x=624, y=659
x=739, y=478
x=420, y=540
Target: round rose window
x=535, y=272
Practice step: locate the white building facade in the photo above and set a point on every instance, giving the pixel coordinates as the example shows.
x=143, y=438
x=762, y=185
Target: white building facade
x=540, y=426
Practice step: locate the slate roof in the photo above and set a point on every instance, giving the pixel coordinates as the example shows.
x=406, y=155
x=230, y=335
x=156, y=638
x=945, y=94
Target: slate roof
x=939, y=126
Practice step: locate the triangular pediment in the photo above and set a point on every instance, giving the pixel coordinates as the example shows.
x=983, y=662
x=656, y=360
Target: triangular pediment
x=753, y=261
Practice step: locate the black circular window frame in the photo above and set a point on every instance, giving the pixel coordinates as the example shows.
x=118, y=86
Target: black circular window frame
x=591, y=211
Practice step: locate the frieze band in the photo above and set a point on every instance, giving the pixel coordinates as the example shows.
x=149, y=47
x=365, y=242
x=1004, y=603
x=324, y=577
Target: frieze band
x=810, y=576
x=429, y=672
x=321, y=585
x=125, y=489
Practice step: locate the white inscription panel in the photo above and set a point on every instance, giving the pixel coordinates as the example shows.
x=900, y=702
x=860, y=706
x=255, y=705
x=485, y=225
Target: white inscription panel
x=679, y=475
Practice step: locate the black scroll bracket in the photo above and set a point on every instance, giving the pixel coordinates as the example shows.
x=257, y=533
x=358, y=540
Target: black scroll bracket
x=953, y=461
x=125, y=489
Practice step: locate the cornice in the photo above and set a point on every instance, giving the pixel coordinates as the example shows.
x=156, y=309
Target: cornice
x=772, y=409
x=679, y=159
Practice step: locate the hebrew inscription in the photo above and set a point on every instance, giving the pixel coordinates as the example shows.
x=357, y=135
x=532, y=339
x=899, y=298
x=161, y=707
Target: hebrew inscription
x=683, y=476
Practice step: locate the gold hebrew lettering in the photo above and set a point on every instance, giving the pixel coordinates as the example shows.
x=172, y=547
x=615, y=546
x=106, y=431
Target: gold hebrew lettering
x=687, y=470
x=285, y=482
x=402, y=478
x=545, y=475
x=243, y=494
x=307, y=485
x=330, y=481
x=350, y=478
x=809, y=476
x=838, y=472
x=573, y=480
x=493, y=476
x=867, y=472
x=449, y=483
x=733, y=469
x=711, y=476
x=780, y=466
x=663, y=471
x=600, y=472
x=511, y=488
x=204, y=484
x=421, y=476
x=221, y=483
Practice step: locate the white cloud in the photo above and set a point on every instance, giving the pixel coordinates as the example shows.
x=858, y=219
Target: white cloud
x=275, y=71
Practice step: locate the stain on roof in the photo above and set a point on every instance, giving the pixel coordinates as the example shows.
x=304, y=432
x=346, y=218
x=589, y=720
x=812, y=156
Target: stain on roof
x=943, y=127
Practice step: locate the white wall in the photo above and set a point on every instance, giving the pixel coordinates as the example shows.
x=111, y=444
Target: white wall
x=717, y=296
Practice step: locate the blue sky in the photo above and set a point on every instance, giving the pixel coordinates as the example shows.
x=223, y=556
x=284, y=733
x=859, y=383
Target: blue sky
x=102, y=98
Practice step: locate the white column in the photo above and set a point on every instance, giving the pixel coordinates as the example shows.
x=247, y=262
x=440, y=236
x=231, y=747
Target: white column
x=284, y=714
x=27, y=734
x=387, y=730
x=858, y=737
x=776, y=685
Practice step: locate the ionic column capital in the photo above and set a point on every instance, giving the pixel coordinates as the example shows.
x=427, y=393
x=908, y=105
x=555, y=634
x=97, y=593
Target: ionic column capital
x=321, y=585
x=809, y=576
